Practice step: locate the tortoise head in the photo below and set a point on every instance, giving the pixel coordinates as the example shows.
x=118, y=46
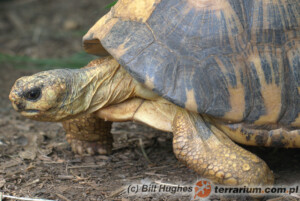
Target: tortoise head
x=41, y=96
x=62, y=94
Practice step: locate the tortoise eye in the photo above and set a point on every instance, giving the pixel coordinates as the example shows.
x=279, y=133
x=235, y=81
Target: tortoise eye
x=33, y=94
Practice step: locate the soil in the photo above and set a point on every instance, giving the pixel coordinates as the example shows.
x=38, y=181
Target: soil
x=35, y=159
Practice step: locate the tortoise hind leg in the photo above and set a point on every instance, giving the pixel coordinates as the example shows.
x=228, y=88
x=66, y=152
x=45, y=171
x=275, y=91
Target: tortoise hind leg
x=210, y=153
x=89, y=135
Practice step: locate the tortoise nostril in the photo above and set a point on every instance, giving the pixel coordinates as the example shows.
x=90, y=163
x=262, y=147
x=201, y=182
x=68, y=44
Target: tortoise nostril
x=20, y=106
x=13, y=96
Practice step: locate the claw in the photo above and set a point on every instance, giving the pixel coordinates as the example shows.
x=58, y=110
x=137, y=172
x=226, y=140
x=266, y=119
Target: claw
x=90, y=148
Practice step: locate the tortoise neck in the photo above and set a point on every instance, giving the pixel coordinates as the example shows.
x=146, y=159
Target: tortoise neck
x=98, y=85
x=110, y=87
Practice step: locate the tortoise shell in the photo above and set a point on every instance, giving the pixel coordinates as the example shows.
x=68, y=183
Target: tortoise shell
x=234, y=59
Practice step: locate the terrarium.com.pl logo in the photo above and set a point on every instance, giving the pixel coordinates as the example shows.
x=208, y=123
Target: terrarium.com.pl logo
x=204, y=188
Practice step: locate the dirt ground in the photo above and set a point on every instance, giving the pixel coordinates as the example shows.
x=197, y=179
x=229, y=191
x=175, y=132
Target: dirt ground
x=35, y=159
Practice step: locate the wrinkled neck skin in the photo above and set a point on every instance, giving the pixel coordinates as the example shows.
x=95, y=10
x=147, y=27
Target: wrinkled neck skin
x=93, y=88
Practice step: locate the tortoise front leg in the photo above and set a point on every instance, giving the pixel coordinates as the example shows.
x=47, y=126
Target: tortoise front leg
x=89, y=134
x=209, y=152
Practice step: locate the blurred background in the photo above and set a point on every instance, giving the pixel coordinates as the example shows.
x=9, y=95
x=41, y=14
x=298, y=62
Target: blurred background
x=47, y=33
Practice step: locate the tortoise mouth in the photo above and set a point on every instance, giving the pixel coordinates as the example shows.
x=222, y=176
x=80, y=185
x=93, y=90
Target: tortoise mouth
x=30, y=112
x=25, y=112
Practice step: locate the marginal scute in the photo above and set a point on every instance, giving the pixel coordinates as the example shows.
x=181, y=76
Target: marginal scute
x=126, y=40
x=269, y=66
x=296, y=123
x=91, y=40
x=292, y=74
x=191, y=102
x=268, y=137
x=135, y=10
x=235, y=68
x=149, y=82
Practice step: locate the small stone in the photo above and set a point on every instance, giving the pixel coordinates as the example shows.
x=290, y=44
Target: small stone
x=70, y=25
x=28, y=154
x=2, y=182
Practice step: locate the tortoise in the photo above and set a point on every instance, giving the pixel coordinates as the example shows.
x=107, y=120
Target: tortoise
x=213, y=72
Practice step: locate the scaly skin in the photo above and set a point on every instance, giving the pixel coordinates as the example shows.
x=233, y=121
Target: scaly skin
x=89, y=135
x=104, y=89
x=210, y=153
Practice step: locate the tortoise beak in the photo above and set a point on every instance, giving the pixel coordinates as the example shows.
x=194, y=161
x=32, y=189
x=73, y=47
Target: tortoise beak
x=17, y=105
x=13, y=98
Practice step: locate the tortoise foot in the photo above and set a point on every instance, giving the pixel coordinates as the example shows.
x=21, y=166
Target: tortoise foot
x=91, y=148
x=89, y=135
